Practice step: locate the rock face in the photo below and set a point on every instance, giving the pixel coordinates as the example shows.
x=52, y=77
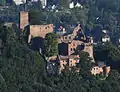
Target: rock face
x=39, y=31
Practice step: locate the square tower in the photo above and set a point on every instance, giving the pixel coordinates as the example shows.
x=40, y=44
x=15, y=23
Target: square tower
x=23, y=20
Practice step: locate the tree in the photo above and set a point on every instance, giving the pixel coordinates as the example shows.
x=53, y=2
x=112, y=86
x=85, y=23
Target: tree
x=64, y=4
x=107, y=51
x=2, y=2
x=51, y=45
x=20, y=67
x=85, y=64
x=37, y=17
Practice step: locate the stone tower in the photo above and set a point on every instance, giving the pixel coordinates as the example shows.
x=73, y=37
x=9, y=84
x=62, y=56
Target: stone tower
x=23, y=20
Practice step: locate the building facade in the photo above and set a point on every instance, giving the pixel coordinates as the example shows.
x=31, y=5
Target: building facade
x=96, y=70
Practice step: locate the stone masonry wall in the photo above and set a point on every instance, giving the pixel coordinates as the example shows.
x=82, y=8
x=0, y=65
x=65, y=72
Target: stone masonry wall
x=40, y=31
x=24, y=20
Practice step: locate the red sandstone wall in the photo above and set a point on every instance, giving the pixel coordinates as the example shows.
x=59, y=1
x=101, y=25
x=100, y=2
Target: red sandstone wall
x=24, y=20
x=40, y=30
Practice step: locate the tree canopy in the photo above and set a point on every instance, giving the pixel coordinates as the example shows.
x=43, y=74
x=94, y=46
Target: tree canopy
x=51, y=45
x=19, y=66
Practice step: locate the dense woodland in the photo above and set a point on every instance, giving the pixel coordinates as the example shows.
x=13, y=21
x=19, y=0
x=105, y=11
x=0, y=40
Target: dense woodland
x=23, y=70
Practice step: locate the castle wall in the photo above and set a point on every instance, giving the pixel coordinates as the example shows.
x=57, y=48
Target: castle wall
x=73, y=46
x=40, y=31
x=24, y=20
x=96, y=70
x=89, y=49
x=69, y=61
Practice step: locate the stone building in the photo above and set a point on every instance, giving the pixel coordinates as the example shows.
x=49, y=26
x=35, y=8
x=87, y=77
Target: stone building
x=100, y=68
x=69, y=37
x=39, y=31
x=23, y=20
x=70, y=45
x=96, y=70
x=106, y=39
x=63, y=62
x=68, y=61
x=89, y=49
x=52, y=65
x=34, y=30
x=69, y=50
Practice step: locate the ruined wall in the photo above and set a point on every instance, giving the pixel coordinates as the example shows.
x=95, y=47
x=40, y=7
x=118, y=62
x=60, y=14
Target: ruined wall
x=96, y=70
x=76, y=30
x=69, y=37
x=107, y=70
x=89, y=48
x=65, y=39
x=39, y=31
x=73, y=62
x=69, y=61
x=63, y=49
x=63, y=63
x=73, y=46
x=23, y=20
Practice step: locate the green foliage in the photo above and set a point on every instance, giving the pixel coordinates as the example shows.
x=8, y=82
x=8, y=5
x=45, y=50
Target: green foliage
x=64, y=4
x=107, y=51
x=64, y=17
x=85, y=64
x=36, y=17
x=51, y=45
x=19, y=66
x=2, y=2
